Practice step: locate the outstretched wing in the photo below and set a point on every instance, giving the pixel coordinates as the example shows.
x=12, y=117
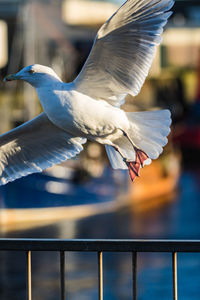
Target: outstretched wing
x=123, y=50
x=33, y=147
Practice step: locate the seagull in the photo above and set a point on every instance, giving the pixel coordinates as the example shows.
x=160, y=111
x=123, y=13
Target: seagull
x=89, y=107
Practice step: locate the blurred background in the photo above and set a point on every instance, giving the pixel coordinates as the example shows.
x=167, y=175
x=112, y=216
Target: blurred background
x=85, y=198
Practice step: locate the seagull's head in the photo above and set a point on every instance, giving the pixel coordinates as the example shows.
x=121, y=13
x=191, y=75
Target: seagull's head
x=36, y=75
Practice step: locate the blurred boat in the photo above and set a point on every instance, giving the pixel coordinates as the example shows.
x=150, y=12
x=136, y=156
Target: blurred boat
x=157, y=183
x=81, y=188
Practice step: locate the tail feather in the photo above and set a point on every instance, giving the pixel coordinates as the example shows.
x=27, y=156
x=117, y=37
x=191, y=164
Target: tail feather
x=159, y=131
x=148, y=131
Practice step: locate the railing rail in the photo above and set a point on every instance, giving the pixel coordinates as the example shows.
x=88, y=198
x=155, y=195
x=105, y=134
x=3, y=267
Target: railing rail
x=100, y=246
x=104, y=245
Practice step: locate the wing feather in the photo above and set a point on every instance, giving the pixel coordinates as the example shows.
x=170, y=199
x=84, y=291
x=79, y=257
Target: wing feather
x=123, y=51
x=35, y=146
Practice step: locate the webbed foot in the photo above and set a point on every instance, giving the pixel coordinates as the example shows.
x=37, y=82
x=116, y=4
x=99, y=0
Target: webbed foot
x=141, y=156
x=134, y=166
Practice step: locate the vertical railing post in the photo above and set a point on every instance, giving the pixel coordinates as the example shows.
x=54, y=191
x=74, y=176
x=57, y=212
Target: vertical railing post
x=28, y=275
x=100, y=275
x=174, y=275
x=134, y=275
x=62, y=275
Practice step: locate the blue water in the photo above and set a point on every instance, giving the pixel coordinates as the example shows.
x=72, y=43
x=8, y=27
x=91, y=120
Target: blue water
x=44, y=190
x=175, y=219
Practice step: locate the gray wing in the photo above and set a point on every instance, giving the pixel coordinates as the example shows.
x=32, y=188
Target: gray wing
x=35, y=146
x=123, y=50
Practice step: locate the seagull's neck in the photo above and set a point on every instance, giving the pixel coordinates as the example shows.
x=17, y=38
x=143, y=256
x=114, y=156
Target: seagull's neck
x=47, y=91
x=55, y=85
x=47, y=84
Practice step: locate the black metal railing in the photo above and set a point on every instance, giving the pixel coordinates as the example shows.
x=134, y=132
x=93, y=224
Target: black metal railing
x=100, y=246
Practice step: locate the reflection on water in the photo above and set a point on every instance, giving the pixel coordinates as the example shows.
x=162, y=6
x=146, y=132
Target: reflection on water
x=174, y=219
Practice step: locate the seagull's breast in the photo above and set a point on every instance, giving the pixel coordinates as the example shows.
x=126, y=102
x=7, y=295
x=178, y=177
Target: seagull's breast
x=80, y=114
x=59, y=106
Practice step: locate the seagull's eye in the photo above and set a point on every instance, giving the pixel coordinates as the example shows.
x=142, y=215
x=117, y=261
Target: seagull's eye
x=31, y=71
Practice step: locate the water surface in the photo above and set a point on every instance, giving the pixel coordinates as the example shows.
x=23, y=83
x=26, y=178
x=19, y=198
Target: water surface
x=174, y=219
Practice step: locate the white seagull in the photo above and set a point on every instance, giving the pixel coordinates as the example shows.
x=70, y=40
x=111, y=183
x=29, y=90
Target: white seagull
x=89, y=107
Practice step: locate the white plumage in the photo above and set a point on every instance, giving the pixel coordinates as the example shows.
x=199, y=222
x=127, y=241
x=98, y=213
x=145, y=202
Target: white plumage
x=89, y=107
